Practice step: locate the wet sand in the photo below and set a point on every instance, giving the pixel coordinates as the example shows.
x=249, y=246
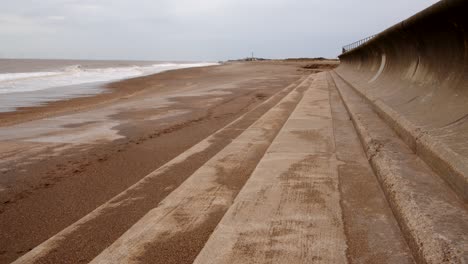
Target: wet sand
x=61, y=161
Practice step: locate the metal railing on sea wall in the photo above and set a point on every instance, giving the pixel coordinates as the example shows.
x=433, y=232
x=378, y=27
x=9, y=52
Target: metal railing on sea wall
x=356, y=44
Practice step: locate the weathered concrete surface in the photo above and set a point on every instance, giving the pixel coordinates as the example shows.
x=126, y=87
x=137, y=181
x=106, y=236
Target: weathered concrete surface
x=293, y=208
x=415, y=74
x=290, y=185
x=209, y=191
x=312, y=197
x=372, y=232
x=289, y=210
x=432, y=218
x=128, y=199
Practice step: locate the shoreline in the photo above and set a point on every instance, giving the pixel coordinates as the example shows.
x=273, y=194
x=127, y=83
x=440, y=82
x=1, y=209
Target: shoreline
x=111, y=92
x=32, y=64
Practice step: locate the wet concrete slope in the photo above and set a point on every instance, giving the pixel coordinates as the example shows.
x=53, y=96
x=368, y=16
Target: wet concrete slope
x=415, y=75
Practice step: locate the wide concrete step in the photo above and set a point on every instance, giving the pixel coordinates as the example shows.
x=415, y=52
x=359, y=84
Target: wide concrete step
x=297, y=206
x=436, y=146
x=433, y=219
x=187, y=216
x=241, y=158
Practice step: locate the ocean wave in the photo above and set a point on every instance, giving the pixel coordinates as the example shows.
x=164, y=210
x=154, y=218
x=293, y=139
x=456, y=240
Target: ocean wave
x=77, y=74
x=24, y=75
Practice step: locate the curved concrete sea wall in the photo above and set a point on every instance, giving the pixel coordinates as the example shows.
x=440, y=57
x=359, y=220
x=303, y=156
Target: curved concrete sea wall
x=415, y=75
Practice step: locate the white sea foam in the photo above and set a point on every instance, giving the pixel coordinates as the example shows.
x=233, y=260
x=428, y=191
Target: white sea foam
x=75, y=75
x=18, y=76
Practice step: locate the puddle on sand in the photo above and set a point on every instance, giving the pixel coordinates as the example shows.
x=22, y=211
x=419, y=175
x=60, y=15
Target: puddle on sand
x=88, y=135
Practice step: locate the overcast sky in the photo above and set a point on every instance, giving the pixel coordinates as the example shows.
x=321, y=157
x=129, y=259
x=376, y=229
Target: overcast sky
x=208, y=30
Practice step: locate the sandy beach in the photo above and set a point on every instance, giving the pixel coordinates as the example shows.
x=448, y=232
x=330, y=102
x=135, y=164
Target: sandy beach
x=62, y=160
x=233, y=132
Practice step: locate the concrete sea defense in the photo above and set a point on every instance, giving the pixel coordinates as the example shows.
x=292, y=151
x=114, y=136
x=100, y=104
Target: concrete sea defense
x=415, y=75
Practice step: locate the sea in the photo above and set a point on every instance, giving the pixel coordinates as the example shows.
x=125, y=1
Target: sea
x=33, y=82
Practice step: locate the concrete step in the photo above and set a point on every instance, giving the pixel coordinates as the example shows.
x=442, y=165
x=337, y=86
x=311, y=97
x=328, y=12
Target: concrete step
x=189, y=214
x=372, y=232
x=433, y=219
x=435, y=151
x=129, y=201
x=296, y=209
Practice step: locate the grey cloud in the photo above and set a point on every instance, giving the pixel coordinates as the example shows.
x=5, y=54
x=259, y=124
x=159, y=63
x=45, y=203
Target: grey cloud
x=192, y=29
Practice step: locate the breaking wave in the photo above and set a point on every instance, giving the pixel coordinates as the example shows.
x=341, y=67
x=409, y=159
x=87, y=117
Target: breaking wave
x=76, y=74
